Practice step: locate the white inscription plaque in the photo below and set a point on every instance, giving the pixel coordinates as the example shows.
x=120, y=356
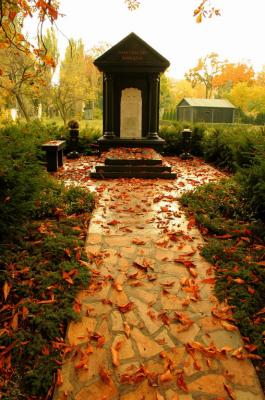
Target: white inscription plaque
x=131, y=113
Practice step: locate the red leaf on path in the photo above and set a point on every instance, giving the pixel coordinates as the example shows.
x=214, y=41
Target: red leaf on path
x=77, y=306
x=226, y=236
x=101, y=341
x=113, y=222
x=59, y=379
x=187, y=263
x=142, y=263
x=208, y=280
x=165, y=318
x=230, y=391
x=166, y=377
x=105, y=375
x=126, y=307
x=115, y=353
x=117, y=286
x=127, y=329
x=228, y=326
x=181, y=383
x=6, y=289
x=191, y=222
x=138, y=376
x=138, y=242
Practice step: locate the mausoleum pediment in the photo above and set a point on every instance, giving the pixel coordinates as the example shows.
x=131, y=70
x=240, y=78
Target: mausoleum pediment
x=132, y=51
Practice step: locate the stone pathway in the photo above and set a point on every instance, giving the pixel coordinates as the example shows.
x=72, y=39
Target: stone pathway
x=151, y=328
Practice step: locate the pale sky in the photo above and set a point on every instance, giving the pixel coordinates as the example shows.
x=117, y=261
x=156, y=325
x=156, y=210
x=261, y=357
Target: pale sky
x=168, y=26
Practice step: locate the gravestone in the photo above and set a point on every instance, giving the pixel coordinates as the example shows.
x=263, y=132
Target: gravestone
x=131, y=87
x=131, y=113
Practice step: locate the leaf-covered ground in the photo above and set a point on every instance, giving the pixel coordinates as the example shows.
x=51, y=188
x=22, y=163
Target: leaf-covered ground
x=41, y=271
x=150, y=293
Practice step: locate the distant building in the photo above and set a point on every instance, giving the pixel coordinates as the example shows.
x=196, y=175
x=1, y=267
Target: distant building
x=206, y=110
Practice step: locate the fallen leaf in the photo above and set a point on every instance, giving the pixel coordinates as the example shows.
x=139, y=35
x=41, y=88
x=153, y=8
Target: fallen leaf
x=115, y=353
x=113, y=222
x=230, y=391
x=59, y=379
x=14, y=322
x=209, y=280
x=6, y=289
x=228, y=327
x=166, y=377
x=118, y=287
x=105, y=375
x=239, y=281
x=138, y=242
x=159, y=396
x=181, y=383
x=251, y=290
x=68, y=252
x=127, y=329
x=126, y=307
x=101, y=341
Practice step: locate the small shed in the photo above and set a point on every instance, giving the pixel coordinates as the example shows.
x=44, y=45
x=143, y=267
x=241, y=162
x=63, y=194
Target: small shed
x=206, y=110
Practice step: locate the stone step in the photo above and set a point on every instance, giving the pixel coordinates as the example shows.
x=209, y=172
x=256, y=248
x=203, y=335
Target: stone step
x=132, y=168
x=132, y=174
x=119, y=161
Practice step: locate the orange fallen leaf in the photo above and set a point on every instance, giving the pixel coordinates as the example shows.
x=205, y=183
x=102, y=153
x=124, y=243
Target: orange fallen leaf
x=59, y=379
x=251, y=290
x=126, y=307
x=101, y=341
x=228, y=327
x=159, y=396
x=166, y=377
x=6, y=289
x=113, y=222
x=230, y=391
x=193, y=273
x=127, y=329
x=82, y=364
x=208, y=280
x=181, y=383
x=68, y=252
x=118, y=287
x=14, y=322
x=115, y=353
x=192, y=222
x=239, y=281
x=105, y=375
x=138, y=242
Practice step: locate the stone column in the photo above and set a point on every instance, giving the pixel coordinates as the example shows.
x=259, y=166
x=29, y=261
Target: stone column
x=154, y=80
x=108, y=106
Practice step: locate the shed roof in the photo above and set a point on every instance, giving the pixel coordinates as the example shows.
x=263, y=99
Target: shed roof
x=217, y=103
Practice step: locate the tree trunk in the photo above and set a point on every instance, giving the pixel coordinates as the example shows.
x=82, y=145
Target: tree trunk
x=22, y=107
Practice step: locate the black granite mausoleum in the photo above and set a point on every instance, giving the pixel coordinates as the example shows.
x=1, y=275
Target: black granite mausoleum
x=131, y=64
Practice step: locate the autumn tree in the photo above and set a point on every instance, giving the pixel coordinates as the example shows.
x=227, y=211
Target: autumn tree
x=46, y=87
x=72, y=91
x=250, y=99
x=206, y=70
x=232, y=74
x=21, y=76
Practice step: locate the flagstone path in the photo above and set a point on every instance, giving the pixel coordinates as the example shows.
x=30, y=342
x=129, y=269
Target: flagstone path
x=150, y=327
